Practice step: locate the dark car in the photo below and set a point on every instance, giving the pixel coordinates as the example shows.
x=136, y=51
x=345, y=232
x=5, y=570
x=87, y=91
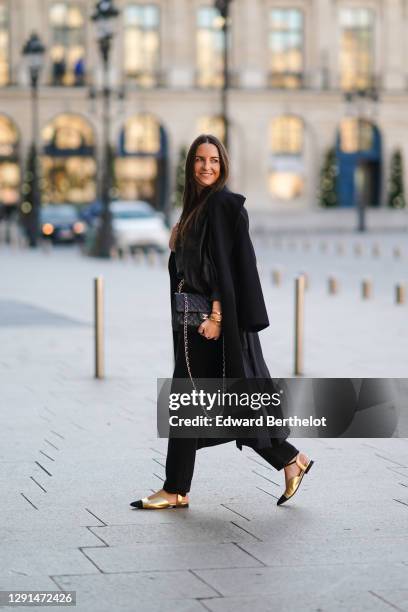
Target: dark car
x=61, y=223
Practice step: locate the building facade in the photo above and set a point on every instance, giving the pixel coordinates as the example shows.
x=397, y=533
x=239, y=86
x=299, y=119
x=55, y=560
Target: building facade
x=307, y=77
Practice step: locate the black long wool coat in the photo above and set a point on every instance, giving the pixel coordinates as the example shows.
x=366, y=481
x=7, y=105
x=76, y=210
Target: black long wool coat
x=243, y=304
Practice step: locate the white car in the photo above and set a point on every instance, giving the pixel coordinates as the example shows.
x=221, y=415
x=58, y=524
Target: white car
x=137, y=224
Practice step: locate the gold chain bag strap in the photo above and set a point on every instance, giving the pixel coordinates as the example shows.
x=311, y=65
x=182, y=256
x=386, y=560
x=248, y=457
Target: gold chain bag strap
x=186, y=353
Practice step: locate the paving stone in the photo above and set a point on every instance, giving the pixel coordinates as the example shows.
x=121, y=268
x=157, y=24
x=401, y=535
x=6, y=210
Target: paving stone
x=309, y=579
x=188, y=532
x=335, y=602
x=43, y=561
x=137, y=588
x=145, y=557
x=337, y=551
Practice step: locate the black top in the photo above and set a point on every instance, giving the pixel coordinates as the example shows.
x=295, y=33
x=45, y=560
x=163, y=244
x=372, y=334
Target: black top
x=194, y=261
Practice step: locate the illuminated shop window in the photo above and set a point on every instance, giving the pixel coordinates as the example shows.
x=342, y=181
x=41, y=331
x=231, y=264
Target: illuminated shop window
x=286, y=169
x=286, y=47
x=68, y=164
x=138, y=164
x=356, y=135
x=67, y=50
x=357, y=48
x=4, y=44
x=9, y=166
x=214, y=125
x=142, y=44
x=8, y=137
x=210, y=47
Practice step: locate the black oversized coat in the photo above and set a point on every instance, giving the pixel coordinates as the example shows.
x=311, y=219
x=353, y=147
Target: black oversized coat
x=243, y=305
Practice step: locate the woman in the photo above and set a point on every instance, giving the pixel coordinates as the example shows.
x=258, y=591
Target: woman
x=212, y=252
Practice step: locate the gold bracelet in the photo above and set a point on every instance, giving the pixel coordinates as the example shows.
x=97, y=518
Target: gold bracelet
x=216, y=322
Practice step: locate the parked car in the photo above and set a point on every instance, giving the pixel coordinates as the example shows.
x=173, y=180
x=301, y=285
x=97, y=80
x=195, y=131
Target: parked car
x=138, y=224
x=61, y=223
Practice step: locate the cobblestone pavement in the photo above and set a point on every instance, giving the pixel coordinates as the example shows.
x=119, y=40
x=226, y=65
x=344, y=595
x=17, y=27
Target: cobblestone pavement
x=75, y=451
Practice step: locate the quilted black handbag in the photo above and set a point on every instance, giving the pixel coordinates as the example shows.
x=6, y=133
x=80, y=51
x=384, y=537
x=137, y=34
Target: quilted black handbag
x=193, y=307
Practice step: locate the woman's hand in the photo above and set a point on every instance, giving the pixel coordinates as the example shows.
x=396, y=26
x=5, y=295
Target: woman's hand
x=210, y=330
x=173, y=237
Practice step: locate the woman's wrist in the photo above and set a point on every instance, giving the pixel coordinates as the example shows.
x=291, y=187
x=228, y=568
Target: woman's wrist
x=217, y=322
x=216, y=312
x=216, y=306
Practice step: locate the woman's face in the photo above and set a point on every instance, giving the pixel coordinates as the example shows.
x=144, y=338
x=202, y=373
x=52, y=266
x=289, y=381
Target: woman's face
x=206, y=164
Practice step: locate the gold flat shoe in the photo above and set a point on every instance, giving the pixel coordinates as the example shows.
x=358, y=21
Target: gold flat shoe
x=159, y=503
x=294, y=483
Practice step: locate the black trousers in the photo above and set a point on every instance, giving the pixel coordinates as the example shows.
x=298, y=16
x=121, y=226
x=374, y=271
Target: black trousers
x=206, y=362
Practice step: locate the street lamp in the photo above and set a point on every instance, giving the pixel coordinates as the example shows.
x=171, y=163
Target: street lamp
x=104, y=17
x=33, y=52
x=223, y=6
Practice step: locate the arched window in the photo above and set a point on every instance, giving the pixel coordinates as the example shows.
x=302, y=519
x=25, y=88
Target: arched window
x=356, y=135
x=142, y=43
x=69, y=165
x=140, y=167
x=67, y=43
x=286, y=168
x=4, y=43
x=212, y=125
x=9, y=166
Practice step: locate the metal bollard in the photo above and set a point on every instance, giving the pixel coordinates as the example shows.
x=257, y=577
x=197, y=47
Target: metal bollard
x=358, y=249
x=340, y=248
x=99, y=332
x=151, y=256
x=127, y=254
x=366, y=288
x=23, y=242
x=323, y=246
x=163, y=258
x=397, y=252
x=138, y=255
x=276, y=277
x=114, y=253
x=333, y=285
x=306, y=279
x=376, y=250
x=400, y=294
x=299, y=324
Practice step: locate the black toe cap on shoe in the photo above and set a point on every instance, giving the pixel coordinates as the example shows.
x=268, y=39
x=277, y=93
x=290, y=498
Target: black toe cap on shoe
x=281, y=500
x=137, y=504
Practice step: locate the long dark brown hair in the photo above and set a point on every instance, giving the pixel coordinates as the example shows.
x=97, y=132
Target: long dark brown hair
x=193, y=199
